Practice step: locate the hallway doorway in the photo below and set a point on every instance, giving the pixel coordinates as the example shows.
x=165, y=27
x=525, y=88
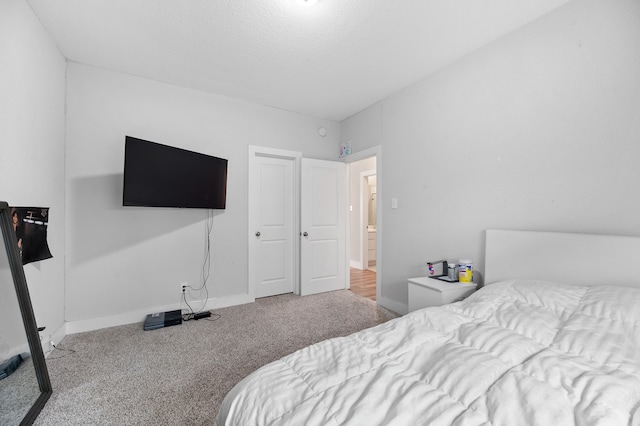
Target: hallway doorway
x=363, y=222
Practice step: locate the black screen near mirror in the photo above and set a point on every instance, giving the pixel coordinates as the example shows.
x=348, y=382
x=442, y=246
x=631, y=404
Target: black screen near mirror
x=157, y=175
x=24, y=381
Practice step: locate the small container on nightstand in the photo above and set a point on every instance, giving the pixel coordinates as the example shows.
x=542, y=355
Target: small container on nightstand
x=425, y=292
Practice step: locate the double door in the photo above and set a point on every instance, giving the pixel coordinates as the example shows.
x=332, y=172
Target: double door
x=297, y=224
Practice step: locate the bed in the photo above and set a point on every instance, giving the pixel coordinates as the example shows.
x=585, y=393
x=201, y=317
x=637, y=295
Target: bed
x=553, y=338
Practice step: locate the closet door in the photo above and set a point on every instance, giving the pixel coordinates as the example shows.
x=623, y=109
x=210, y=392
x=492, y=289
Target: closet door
x=323, y=226
x=272, y=225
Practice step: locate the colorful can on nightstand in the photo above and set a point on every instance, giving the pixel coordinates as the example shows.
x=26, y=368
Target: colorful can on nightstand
x=465, y=271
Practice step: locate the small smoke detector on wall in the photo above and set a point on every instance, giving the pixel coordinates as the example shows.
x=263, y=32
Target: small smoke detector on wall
x=322, y=132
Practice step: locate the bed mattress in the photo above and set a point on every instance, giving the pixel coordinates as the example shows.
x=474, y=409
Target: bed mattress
x=515, y=352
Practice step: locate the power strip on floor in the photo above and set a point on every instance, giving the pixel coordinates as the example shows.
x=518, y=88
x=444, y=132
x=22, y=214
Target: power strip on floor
x=200, y=315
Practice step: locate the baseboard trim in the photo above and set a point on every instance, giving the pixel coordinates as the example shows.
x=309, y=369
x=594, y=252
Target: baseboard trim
x=392, y=305
x=56, y=336
x=355, y=264
x=131, y=317
x=79, y=326
x=236, y=299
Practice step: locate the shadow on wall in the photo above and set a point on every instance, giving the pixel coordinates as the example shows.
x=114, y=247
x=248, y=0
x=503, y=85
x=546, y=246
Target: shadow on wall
x=100, y=225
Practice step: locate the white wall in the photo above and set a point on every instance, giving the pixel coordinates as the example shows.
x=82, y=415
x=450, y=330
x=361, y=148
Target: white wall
x=14, y=337
x=537, y=131
x=32, y=132
x=124, y=262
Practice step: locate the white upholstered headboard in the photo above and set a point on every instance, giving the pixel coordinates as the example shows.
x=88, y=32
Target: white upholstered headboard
x=584, y=259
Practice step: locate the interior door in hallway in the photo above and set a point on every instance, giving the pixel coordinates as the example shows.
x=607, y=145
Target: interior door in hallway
x=323, y=226
x=271, y=229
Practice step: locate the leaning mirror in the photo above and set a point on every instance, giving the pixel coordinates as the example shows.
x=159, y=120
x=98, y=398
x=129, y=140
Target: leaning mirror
x=24, y=380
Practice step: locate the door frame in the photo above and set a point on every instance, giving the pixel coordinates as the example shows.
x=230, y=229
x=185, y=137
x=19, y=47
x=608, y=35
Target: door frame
x=296, y=158
x=371, y=152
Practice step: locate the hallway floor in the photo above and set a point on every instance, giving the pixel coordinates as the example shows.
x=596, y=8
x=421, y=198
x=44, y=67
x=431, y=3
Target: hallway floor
x=363, y=283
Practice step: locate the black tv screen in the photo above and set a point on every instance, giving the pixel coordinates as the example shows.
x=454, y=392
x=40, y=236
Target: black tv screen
x=157, y=175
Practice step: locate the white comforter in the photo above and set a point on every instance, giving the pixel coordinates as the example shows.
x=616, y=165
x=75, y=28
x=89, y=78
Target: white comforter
x=514, y=353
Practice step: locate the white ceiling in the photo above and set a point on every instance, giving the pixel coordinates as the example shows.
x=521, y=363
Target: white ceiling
x=330, y=60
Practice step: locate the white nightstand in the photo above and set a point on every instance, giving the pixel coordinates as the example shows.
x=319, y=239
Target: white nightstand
x=425, y=292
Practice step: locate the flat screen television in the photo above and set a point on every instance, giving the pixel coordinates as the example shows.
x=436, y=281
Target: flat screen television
x=157, y=175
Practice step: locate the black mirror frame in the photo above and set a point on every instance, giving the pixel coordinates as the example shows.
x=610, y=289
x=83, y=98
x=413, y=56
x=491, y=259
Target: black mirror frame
x=28, y=318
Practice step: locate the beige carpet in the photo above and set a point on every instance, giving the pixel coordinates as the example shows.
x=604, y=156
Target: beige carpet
x=179, y=375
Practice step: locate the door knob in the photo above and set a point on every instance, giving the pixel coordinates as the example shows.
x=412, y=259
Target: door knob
x=258, y=234
x=305, y=234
